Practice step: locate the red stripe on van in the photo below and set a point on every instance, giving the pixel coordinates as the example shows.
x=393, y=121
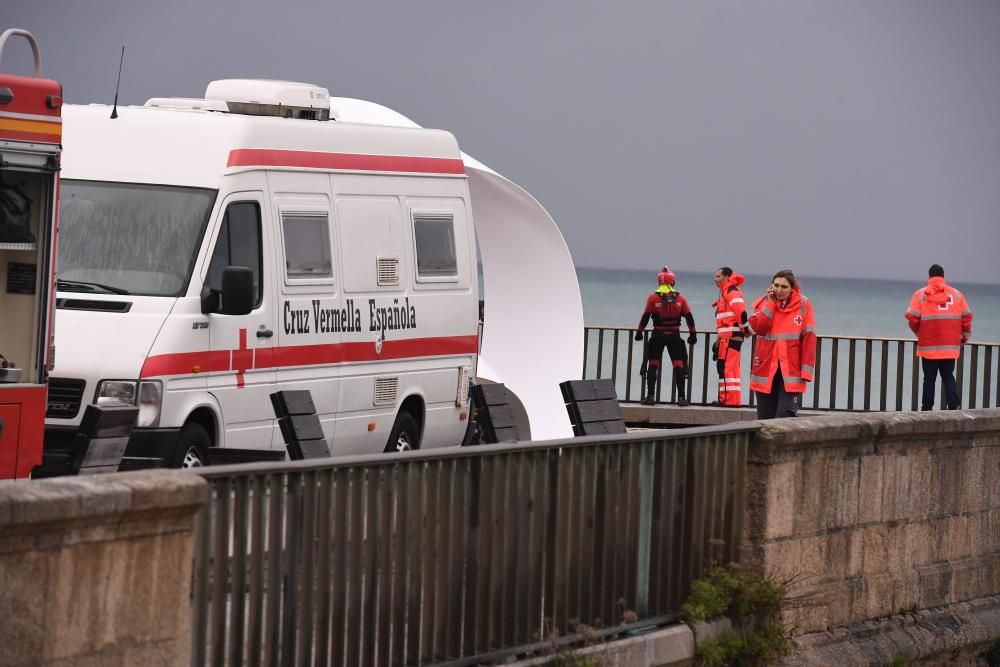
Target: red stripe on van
x=265, y=157
x=184, y=363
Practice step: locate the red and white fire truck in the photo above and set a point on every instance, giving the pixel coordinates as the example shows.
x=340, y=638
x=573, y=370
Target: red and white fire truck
x=30, y=146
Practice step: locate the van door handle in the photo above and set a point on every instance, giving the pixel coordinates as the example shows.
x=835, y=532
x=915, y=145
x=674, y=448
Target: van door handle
x=264, y=333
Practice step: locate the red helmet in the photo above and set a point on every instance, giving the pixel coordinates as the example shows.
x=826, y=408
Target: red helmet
x=666, y=276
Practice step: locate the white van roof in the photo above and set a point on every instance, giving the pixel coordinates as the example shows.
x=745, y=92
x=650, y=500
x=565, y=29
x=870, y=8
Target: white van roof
x=188, y=144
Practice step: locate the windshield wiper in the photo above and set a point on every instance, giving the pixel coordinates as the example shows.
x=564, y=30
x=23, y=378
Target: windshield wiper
x=82, y=286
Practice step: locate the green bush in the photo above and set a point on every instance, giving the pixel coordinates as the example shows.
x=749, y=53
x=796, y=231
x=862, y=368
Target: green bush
x=752, y=603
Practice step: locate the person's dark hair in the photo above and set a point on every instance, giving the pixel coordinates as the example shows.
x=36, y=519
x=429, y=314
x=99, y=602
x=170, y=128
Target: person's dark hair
x=787, y=275
x=935, y=271
x=725, y=271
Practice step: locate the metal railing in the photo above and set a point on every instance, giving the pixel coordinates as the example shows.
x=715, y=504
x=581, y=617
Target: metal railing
x=852, y=373
x=458, y=555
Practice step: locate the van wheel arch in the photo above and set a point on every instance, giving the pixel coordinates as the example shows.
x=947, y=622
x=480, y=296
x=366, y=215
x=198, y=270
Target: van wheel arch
x=196, y=437
x=408, y=428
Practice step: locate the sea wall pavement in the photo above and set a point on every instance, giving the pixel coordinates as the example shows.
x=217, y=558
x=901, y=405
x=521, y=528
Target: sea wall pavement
x=870, y=516
x=97, y=570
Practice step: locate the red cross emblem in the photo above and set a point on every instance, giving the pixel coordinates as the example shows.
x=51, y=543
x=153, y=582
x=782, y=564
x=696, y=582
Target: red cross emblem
x=798, y=320
x=242, y=359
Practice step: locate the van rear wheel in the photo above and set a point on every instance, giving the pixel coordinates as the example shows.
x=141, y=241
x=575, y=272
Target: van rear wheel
x=405, y=434
x=192, y=447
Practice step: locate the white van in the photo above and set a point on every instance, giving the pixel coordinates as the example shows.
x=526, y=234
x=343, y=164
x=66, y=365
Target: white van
x=211, y=252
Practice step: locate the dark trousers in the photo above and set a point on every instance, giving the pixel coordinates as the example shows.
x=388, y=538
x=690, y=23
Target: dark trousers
x=778, y=403
x=946, y=367
x=678, y=359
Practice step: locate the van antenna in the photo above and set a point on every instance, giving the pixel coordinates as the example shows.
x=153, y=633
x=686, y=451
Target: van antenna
x=114, y=110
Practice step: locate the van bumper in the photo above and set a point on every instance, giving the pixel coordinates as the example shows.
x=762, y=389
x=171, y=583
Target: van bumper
x=147, y=447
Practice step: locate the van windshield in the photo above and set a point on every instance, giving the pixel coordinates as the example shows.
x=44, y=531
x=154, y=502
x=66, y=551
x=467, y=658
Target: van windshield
x=129, y=238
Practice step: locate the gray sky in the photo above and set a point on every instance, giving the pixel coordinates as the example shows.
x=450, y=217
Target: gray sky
x=836, y=137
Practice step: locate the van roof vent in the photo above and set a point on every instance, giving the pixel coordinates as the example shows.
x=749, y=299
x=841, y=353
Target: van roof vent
x=261, y=97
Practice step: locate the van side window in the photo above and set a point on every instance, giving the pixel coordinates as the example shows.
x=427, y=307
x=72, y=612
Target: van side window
x=239, y=244
x=307, y=246
x=434, y=235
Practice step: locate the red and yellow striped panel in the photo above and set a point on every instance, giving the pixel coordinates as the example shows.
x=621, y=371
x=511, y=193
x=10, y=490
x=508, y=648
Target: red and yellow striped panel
x=34, y=113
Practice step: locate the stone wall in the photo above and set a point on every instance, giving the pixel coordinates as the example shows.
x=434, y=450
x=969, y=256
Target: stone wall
x=97, y=570
x=868, y=516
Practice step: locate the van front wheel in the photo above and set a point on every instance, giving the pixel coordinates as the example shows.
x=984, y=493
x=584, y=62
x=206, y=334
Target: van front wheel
x=405, y=434
x=192, y=445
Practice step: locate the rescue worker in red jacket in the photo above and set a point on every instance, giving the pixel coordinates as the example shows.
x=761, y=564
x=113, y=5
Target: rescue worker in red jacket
x=666, y=306
x=942, y=320
x=785, y=355
x=730, y=322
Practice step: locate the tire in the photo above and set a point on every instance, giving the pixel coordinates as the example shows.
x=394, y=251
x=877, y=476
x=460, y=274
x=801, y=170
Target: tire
x=405, y=434
x=192, y=447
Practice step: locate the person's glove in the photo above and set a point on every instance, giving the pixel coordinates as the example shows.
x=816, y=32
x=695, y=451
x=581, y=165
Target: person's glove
x=715, y=351
x=638, y=335
x=692, y=339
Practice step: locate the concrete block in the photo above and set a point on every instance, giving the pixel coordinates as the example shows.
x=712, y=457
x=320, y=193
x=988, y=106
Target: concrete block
x=855, y=552
x=875, y=549
x=916, y=544
x=812, y=488
x=921, y=475
x=840, y=500
x=782, y=559
x=704, y=632
x=896, y=502
x=969, y=579
x=783, y=483
x=23, y=583
x=879, y=595
x=870, y=489
x=671, y=645
x=973, y=479
x=935, y=584
x=98, y=569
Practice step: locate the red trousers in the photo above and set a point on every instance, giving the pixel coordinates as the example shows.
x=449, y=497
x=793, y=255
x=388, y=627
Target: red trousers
x=728, y=367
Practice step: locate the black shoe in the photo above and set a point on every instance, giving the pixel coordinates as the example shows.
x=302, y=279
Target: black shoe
x=649, y=400
x=682, y=402
x=717, y=404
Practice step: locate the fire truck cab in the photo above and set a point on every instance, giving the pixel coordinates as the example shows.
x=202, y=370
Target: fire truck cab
x=30, y=136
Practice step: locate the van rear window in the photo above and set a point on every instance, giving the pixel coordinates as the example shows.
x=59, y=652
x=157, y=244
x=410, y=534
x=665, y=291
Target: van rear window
x=435, y=240
x=307, y=246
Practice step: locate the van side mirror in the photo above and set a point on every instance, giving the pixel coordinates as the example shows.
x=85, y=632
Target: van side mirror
x=236, y=296
x=237, y=290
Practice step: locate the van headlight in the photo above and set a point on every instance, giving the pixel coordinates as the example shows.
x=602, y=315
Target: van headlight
x=147, y=394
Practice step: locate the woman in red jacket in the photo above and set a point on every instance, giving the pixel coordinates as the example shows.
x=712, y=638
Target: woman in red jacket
x=783, y=360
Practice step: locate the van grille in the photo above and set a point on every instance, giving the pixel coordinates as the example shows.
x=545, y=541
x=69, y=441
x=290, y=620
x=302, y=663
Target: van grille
x=92, y=304
x=388, y=270
x=385, y=390
x=65, y=396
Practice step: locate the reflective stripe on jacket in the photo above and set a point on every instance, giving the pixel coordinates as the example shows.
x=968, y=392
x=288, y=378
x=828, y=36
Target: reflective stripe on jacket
x=730, y=309
x=786, y=335
x=941, y=318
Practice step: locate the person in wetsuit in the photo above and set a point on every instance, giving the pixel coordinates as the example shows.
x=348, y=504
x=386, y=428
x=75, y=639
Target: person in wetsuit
x=665, y=307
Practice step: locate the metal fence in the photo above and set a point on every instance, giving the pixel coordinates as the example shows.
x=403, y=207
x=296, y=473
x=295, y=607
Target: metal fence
x=852, y=373
x=458, y=556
